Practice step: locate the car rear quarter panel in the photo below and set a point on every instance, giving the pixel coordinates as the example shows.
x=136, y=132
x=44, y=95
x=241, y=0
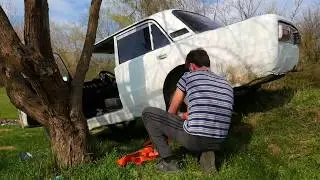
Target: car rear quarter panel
x=245, y=51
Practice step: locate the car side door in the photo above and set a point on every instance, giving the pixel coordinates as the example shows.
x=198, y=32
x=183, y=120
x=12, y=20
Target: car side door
x=143, y=66
x=157, y=64
x=131, y=47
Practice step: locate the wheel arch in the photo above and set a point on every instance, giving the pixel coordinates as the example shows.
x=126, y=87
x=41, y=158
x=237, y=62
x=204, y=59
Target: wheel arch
x=171, y=81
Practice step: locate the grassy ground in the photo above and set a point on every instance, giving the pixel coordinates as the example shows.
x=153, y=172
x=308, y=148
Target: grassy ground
x=7, y=110
x=275, y=135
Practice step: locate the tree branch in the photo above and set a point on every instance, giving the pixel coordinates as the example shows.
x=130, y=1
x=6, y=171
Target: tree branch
x=298, y=4
x=37, y=39
x=83, y=64
x=12, y=70
x=10, y=42
x=36, y=29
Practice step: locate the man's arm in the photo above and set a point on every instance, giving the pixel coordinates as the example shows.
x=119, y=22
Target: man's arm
x=176, y=101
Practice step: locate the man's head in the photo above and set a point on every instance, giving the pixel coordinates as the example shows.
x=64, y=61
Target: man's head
x=197, y=59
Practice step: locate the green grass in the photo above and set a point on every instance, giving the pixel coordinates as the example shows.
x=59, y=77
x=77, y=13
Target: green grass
x=275, y=135
x=7, y=110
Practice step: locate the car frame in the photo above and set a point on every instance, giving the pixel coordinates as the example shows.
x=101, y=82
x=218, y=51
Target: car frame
x=150, y=54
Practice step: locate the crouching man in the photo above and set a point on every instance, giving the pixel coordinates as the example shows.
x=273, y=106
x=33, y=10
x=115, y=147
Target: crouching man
x=210, y=101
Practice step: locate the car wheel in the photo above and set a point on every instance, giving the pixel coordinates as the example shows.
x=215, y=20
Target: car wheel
x=170, y=86
x=168, y=97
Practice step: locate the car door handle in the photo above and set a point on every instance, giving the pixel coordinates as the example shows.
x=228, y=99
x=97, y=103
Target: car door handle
x=162, y=56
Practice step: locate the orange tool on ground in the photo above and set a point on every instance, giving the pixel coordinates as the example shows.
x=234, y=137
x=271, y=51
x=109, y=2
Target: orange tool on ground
x=147, y=153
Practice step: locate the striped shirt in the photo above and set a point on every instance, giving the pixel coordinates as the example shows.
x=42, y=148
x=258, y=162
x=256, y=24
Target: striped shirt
x=210, y=101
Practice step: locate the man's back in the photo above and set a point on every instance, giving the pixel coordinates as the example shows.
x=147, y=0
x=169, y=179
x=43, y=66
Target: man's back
x=210, y=101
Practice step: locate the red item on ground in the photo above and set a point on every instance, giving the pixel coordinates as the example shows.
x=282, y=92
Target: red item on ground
x=147, y=153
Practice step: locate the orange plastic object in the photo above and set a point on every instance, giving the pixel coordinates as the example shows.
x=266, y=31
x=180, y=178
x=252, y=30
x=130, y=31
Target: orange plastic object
x=147, y=153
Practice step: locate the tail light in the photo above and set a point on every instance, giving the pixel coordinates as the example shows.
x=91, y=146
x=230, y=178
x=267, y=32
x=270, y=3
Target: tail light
x=288, y=33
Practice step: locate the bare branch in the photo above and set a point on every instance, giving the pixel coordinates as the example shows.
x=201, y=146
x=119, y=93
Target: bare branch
x=298, y=4
x=247, y=8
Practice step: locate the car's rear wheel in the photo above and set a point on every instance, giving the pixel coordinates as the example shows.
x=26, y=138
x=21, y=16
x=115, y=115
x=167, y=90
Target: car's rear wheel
x=170, y=86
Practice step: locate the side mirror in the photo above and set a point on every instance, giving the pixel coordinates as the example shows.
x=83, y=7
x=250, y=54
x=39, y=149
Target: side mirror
x=65, y=78
x=62, y=67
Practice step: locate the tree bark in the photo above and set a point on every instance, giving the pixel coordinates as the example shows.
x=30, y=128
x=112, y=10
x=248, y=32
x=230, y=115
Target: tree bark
x=34, y=84
x=83, y=66
x=69, y=145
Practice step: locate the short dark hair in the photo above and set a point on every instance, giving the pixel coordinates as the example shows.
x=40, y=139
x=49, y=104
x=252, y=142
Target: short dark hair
x=199, y=57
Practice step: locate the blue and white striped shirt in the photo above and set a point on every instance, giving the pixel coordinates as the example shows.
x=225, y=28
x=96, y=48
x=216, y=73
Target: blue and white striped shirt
x=210, y=101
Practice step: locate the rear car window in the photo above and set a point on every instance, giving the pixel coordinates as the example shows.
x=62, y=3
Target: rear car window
x=196, y=22
x=159, y=39
x=134, y=45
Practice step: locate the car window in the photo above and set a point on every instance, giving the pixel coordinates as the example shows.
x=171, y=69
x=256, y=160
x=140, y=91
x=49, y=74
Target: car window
x=100, y=62
x=159, y=39
x=180, y=32
x=134, y=45
x=196, y=22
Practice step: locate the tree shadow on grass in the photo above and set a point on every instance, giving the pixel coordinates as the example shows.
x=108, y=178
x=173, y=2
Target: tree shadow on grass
x=240, y=132
x=125, y=140
x=262, y=100
x=125, y=135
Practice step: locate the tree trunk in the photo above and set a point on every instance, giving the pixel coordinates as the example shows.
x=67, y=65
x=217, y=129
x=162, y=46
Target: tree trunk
x=34, y=83
x=68, y=143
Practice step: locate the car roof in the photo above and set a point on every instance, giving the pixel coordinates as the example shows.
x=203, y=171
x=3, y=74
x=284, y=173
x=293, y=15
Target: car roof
x=167, y=21
x=155, y=17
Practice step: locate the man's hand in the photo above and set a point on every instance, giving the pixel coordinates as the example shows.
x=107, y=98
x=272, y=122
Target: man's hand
x=176, y=101
x=185, y=115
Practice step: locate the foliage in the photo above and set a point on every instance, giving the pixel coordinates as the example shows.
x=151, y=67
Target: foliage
x=310, y=30
x=123, y=20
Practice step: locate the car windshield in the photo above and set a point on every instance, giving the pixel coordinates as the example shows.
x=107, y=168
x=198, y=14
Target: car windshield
x=196, y=22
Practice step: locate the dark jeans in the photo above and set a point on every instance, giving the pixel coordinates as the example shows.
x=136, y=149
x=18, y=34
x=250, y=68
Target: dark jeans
x=162, y=126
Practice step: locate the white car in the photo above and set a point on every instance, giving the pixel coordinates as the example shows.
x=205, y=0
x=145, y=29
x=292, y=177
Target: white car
x=150, y=54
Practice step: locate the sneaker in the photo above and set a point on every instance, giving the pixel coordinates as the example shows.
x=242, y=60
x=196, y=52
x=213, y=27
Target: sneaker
x=207, y=162
x=171, y=166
